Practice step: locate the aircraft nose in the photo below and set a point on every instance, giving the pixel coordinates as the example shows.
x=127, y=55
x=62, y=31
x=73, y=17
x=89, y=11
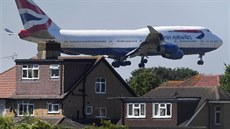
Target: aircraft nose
x=218, y=42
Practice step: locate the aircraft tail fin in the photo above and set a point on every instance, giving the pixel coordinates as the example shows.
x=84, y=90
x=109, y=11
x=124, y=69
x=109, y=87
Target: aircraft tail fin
x=36, y=23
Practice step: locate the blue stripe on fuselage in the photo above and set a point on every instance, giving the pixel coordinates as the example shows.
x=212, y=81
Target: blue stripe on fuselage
x=100, y=51
x=124, y=51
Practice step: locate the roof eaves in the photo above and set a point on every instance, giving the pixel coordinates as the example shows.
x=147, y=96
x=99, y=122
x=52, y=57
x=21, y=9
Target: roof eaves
x=97, y=62
x=83, y=76
x=7, y=70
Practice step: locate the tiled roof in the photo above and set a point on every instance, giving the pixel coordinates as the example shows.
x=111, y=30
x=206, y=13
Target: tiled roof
x=197, y=80
x=63, y=121
x=172, y=83
x=204, y=93
x=185, y=91
x=208, y=80
x=8, y=83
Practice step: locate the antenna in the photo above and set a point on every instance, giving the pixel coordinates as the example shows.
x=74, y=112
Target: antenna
x=12, y=57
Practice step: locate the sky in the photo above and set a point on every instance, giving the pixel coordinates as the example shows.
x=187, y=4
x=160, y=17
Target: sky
x=125, y=14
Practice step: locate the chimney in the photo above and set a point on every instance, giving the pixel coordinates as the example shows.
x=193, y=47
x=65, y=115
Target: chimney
x=48, y=50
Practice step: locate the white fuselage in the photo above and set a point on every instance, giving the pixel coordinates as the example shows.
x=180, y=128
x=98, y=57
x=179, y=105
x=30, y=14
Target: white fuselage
x=120, y=42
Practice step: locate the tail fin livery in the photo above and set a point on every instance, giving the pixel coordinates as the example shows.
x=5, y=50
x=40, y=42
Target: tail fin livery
x=36, y=23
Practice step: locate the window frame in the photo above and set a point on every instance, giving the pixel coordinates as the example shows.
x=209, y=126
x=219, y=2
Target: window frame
x=27, y=104
x=161, y=108
x=133, y=108
x=52, y=108
x=91, y=109
x=217, y=112
x=54, y=67
x=27, y=68
x=100, y=112
x=100, y=84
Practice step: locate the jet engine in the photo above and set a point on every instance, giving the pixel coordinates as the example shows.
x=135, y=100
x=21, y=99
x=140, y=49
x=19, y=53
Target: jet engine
x=167, y=49
x=178, y=55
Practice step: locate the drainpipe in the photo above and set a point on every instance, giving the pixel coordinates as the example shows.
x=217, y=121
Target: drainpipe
x=209, y=115
x=122, y=112
x=83, y=97
x=61, y=77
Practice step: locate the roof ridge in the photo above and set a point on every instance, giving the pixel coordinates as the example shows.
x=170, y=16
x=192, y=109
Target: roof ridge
x=189, y=79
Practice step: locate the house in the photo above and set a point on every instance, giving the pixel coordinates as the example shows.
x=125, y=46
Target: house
x=66, y=88
x=7, y=87
x=177, y=107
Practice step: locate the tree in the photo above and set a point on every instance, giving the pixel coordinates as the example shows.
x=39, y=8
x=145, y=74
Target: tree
x=225, y=79
x=145, y=79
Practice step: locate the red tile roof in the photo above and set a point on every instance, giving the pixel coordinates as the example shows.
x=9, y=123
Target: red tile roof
x=197, y=80
x=208, y=80
x=7, y=83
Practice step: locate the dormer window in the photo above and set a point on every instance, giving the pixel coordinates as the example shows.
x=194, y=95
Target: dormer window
x=54, y=71
x=30, y=71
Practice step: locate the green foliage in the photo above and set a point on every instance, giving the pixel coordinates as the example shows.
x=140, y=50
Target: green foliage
x=145, y=79
x=6, y=123
x=27, y=123
x=225, y=79
x=106, y=124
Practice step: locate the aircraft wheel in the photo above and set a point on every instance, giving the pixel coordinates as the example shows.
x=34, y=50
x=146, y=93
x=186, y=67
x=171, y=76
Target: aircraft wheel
x=116, y=64
x=141, y=65
x=200, y=62
x=144, y=61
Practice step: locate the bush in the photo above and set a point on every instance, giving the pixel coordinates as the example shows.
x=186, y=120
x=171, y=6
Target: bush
x=6, y=123
x=27, y=123
x=106, y=124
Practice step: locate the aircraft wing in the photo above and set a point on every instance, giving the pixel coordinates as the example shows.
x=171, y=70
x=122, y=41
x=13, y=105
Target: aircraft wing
x=149, y=45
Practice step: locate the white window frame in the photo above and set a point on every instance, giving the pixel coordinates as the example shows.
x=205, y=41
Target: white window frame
x=136, y=107
x=27, y=104
x=217, y=112
x=52, y=108
x=99, y=84
x=90, y=109
x=54, y=67
x=161, y=107
x=100, y=112
x=35, y=67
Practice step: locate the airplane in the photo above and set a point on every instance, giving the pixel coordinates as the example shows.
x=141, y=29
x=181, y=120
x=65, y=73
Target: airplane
x=171, y=42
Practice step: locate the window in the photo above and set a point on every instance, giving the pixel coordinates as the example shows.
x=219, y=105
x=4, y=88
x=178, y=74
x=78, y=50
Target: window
x=162, y=110
x=25, y=108
x=101, y=112
x=136, y=110
x=30, y=71
x=217, y=115
x=89, y=110
x=53, y=108
x=54, y=71
x=100, y=86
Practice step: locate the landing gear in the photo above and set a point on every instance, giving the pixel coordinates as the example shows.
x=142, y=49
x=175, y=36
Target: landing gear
x=120, y=62
x=143, y=62
x=117, y=64
x=200, y=62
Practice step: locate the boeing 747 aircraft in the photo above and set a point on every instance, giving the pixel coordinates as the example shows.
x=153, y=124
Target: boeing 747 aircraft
x=171, y=42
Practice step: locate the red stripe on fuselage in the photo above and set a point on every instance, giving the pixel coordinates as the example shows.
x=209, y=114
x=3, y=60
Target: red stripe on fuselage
x=24, y=4
x=188, y=31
